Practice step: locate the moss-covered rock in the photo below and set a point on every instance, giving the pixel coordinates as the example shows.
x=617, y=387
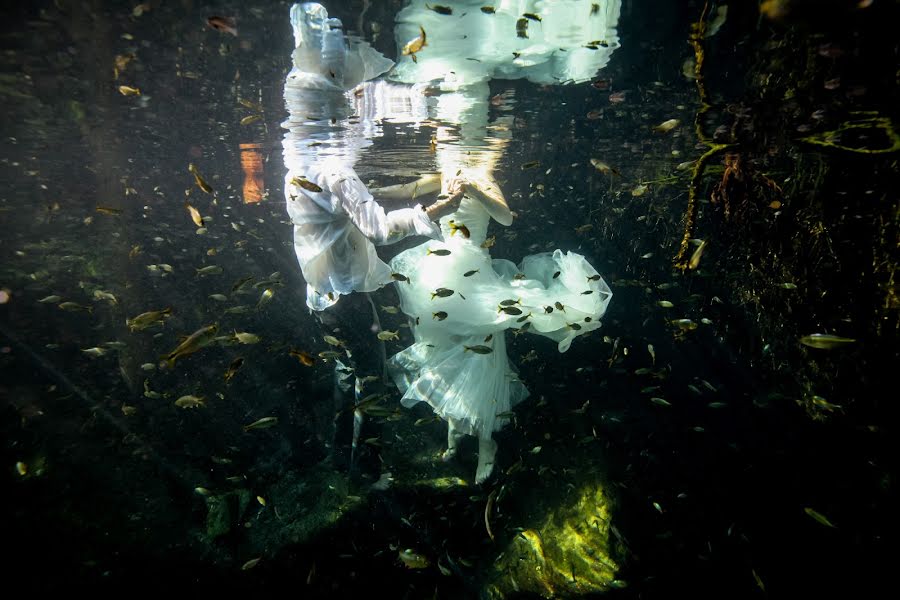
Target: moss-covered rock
x=566, y=555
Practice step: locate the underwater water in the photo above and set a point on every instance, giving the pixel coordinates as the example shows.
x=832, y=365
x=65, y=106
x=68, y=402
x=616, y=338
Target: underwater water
x=734, y=182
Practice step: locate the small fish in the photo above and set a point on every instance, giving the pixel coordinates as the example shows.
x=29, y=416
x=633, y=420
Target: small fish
x=306, y=184
x=198, y=179
x=684, y=324
x=559, y=306
x=416, y=44
x=440, y=252
x=667, y=126
x=329, y=355
x=694, y=261
x=584, y=228
x=523, y=318
x=250, y=119
x=250, y=104
x=639, y=190
x=240, y=309
x=441, y=293
x=603, y=167
x=233, y=368
x=223, y=24
x=819, y=517
x=333, y=341
x=660, y=401
x=522, y=28
x=246, y=338
x=489, y=242
x=510, y=310
x=50, y=299
x=717, y=405
x=824, y=404
x=488, y=338
x=532, y=164
x=412, y=559
x=391, y=310
x=548, y=309
x=265, y=298
x=479, y=349
x=74, y=306
x=195, y=215
x=454, y=227
x=652, y=353
x=199, y=339
x=488, y=10
x=127, y=90
x=305, y=358
x=574, y=326
x=218, y=297
x=510, y=302
x=665, y=304
x=399, y=277
x=263, y=423
x=531, y=16
x=825, y=341
x=470, y=273
x=388, y=335
x=108, y=210
x=250, y=564
x=148, y=393
x=587, y=292
x=190, y=401
x=759, y=581
x=94, y=352
x=441, y=10
x=210, y=270
x=557, y=274
x=787, y=285
x=102, y=295
x=241, y=283
x=595, y=8
x=440, y=315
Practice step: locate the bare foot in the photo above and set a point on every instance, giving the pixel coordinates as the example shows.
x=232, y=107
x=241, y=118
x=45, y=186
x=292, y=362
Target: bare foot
x=487, y=451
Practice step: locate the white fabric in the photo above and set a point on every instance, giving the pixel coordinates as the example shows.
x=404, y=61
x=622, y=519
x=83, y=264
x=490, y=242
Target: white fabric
x=335, y=229
x=459, y=383
x=470, y=46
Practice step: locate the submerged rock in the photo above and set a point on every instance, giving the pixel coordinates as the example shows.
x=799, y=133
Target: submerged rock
x=567, y=555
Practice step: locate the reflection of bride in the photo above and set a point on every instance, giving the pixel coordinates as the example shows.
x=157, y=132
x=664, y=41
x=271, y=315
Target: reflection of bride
x=459, y=300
